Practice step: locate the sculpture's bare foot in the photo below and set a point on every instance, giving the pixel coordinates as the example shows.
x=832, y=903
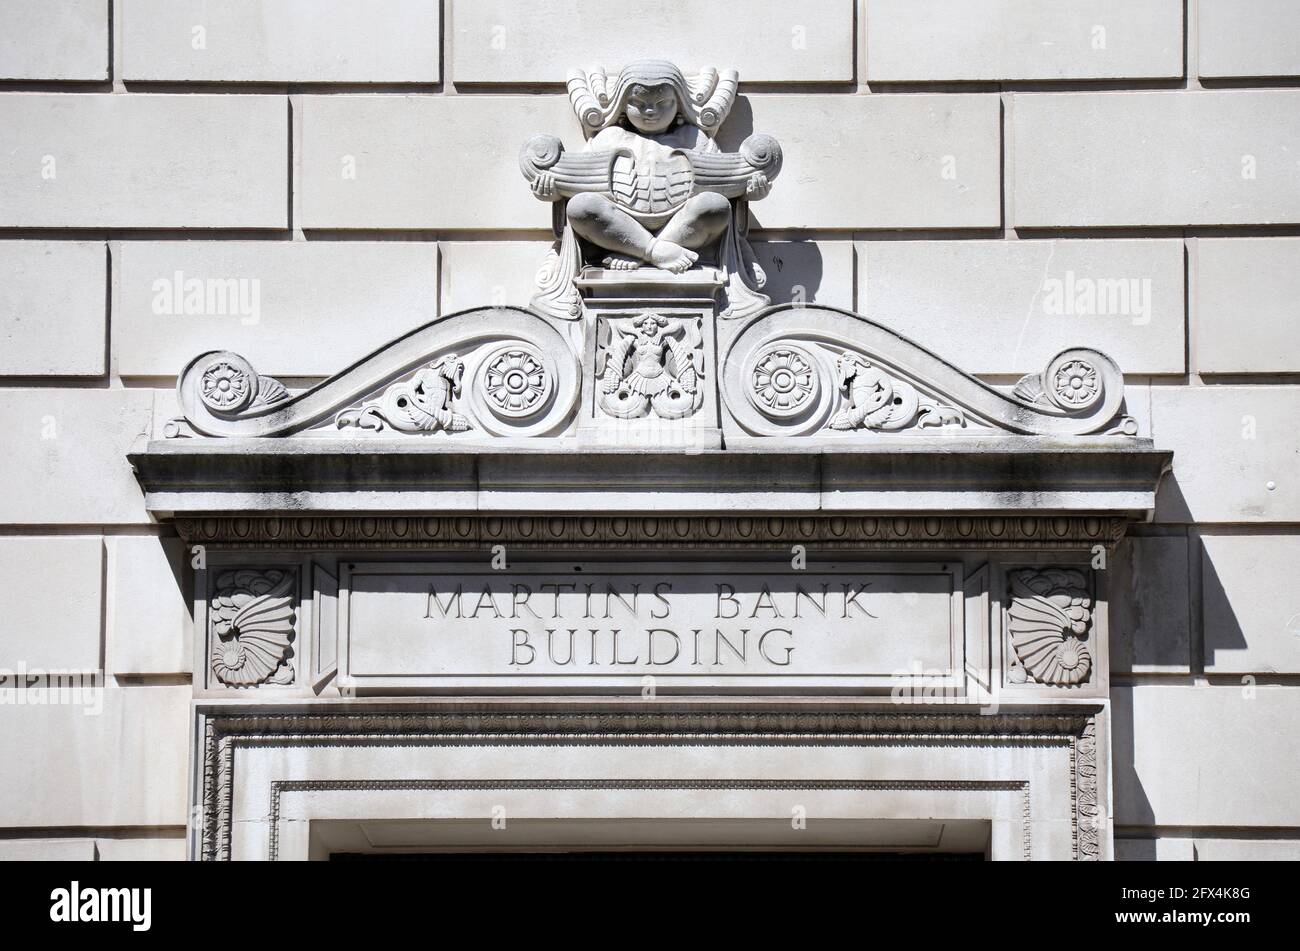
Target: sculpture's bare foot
x=621, y=262
x=672, y=257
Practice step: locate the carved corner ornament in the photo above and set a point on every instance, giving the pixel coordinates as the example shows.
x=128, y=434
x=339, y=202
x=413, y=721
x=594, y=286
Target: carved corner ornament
x=1049, y=623
x=252, y=616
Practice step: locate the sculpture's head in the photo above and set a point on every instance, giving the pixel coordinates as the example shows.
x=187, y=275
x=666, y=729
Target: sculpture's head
x=651, y=95
x=651, y=109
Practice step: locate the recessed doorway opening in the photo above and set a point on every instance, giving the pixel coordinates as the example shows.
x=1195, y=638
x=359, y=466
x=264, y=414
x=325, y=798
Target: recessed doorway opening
x=703, y=839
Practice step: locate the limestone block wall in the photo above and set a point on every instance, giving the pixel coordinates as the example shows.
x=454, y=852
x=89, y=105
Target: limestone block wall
x=996, y=179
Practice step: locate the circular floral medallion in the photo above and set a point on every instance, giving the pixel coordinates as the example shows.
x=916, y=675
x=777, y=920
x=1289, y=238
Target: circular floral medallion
x=226, y=386
x=516, y=383
x=1076, y=384
x=785, y=381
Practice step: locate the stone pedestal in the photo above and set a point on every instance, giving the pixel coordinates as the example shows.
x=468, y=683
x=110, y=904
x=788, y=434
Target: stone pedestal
x=652, y=344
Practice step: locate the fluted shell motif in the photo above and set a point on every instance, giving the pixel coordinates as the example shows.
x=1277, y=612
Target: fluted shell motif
x=252, y=619
x=1049, y=621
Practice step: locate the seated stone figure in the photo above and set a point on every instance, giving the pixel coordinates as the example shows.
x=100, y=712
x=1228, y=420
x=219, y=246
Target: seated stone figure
x=651, y=188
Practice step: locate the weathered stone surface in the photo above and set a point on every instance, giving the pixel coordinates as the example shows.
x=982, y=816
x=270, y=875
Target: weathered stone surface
x=1185, y=756
x=144, y=161
x=1150, y=613
x=518, y=41
x=957, y=40
x=1245, y=316
x=325, y=41
x=390, y=162
x=1250, y=605
x=1235, y=448
x=1155, y=158
x=121, y=762
x=70, y=447
x=53, y=312
x=916, y=161
x=42, y=40
x=1248, y=38
x=150, y=630
x=176, y=299
x=1010, y=306
x=50, y=615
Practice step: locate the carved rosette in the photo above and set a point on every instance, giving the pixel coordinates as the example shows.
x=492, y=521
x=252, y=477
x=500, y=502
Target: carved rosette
x=785, y=381
x=228, y=385
x=516, y=382
x=252, y=627
x=1075, y=383
x=1048, y=624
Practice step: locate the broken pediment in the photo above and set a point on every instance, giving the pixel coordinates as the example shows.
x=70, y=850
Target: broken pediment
x=650, y=372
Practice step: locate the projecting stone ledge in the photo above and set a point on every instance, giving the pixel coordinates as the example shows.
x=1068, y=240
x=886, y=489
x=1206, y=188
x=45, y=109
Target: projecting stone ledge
x=1101, y=475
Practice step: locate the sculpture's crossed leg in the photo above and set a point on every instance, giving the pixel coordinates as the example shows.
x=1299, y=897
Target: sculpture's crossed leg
x=698, y=223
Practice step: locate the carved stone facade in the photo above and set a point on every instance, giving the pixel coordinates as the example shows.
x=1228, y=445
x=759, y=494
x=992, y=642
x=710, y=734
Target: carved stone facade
x=889, y=359
x=745, y=467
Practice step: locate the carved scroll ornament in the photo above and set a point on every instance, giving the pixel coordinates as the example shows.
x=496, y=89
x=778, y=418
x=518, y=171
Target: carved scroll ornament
x=803, y=370
x=477, y=374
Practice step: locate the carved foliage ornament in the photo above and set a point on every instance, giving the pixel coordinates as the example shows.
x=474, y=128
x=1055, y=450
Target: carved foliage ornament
x=1048, y=623
x=252, y=620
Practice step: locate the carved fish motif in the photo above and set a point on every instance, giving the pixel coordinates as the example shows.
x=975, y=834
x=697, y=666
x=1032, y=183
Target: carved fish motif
x=422, y=404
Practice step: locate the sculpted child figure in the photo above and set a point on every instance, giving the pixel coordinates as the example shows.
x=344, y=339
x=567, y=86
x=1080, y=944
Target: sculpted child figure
x=651, y=188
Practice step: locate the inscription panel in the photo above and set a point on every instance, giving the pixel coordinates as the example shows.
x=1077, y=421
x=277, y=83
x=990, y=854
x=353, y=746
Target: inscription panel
x=679, y=627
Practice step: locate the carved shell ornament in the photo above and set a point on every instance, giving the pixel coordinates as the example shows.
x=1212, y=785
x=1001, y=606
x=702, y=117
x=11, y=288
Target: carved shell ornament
x=252, y=620
x=1049, y=622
